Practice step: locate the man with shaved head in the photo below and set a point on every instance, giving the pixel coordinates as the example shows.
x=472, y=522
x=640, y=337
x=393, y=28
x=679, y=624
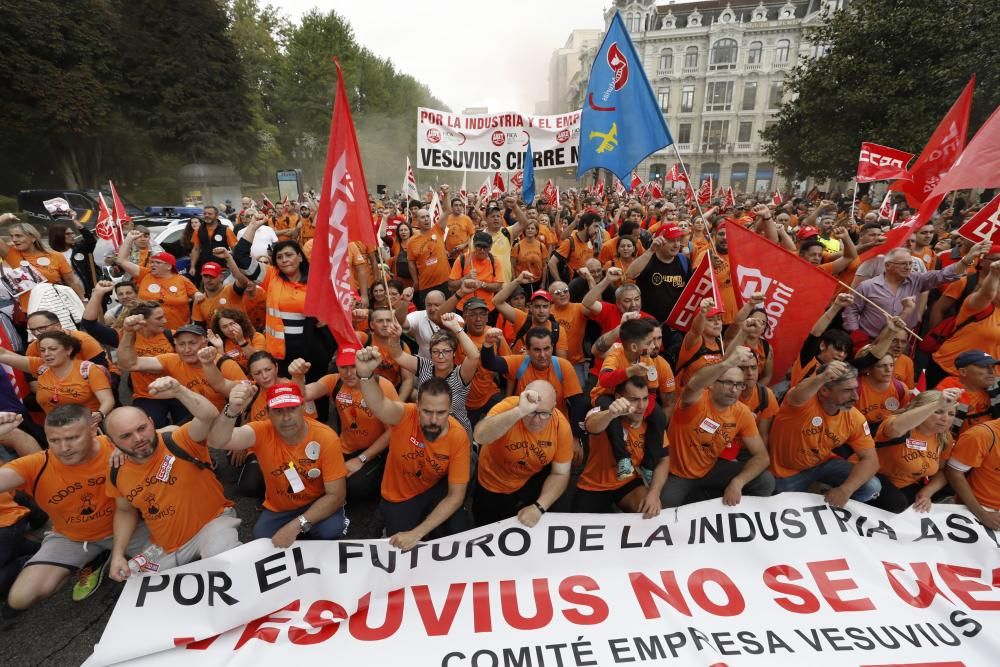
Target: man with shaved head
x=524, y=464
x=167, y=480
x=422, y=324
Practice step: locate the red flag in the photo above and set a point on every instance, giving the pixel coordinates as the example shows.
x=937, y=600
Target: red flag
x=881, y=163
x=655, y=191
x=498, y=183
x=119, y=215
x=979, y=164
x=688, y=193
x=885, y=210
x=517, y=179
x=343, y=216
x=921, y=385
x=599, y=189
x=410, y=190
x=675, y=174
x=705, y=191
x=635, y=182
x=105, y=227
x=984, y=224
x=730, y=200
x=16, y=377
x=941, y=151
x=550, y=191
x=896, y=236
x=776, y=198
x=796, y=292
x=701, y=286
x=619, y=187
x=813, y=194
x=266, y=206
x=484, y=190
x=558, y=206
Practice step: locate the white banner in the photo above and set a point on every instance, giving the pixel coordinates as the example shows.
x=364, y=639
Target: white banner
x=496, y=141
x=779, y=581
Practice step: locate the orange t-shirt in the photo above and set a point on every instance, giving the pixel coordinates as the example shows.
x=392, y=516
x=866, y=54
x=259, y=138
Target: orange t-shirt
x=724, y=278
x=463, y=267
x=529, y=255
x=576, y=252
x=414, y=464
x=193, y=377
x=983, y=335
x=389, y=368
x=903, y=371
x=74, y=497
x=700, y=432
x=358, y=257
x=427, y=254
x=460, y=229
x=609, y=251
x=599, y=472
x=572, y=319
x=614, y=361
x=548, y=236
x=877, y=404
x=172, y=293
x=255, y=306
x=10, y=511
x=804, y=436
x=506, y=464
x=148, y=347
x=205, y=310
x=51, y=265
x=483, y=385
x=686, y=353
x=978, y=402
x=917, y=457
x=520, y=346
x=89, y=347
x=568, y=386
x=236, y=353
x=977, y=448
x=167, y=507
x=74, y=389
x=276, y=455
x=753, y=403
x=359, y=427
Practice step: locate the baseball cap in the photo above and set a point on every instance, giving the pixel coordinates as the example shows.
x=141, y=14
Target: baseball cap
x=715, y=310
x=482, y=240
x=166, y=258
x=191, y=329
x=284, y=395
x=473, y=303
x=541, y=294
x=211, y=269
x=670, y=232
x=974, y=358
x=806, y=232
x=492, y=206
x=347, y=356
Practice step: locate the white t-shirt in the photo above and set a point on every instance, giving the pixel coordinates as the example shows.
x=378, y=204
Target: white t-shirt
x=421, y=328
x=262, y=241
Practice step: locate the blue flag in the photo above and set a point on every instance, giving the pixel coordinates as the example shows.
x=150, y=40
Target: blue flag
x=621, y=122
x=528, y=184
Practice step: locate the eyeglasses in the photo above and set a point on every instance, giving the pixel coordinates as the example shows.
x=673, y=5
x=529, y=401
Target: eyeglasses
x=729, y=384
x=542, y=416
x=557, y=292
x=442, y=352
x=41, y=329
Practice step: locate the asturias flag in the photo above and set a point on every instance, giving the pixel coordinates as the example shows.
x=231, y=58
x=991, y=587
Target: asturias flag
x=621, y=122
x=528, y=182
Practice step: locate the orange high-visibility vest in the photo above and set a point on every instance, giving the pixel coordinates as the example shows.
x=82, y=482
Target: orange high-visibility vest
x=284, y=316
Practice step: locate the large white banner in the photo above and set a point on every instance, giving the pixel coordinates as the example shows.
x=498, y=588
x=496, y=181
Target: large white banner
x=496, y=141
x=787, y=580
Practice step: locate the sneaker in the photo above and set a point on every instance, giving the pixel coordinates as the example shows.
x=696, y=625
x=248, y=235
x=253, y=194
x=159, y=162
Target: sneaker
x=647, y=475
x=625, y=468
x=89, y=578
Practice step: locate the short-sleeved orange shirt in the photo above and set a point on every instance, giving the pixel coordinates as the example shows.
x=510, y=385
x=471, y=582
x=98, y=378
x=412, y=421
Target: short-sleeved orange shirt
x=148, y=346
x=576, y=252
x=686, y=354
x=74, y=497
x=978, y=448
x=599, y=472
x=74, y=389
x=484, y=268
x=236, y=353
x=172, y=293
x=427, y=254
x=529, y=255
x=167, y=507
x=460, y=229
x=483, y=385
x=359, y=427
x=506, y=464
x=804, y=436
x=357, y=257
x=568, y=386
x=700, y=432
x=520, y=346
x=916, y=457
x=89, y=347
x=982, y=335
x=614, y=361
x=415, y=464
x=193, y=377
x=572, y=319
x=205, y=310
x=51, y=265
x=877, y=404
x=276, y=455
x=978, y=402
x=903, y=371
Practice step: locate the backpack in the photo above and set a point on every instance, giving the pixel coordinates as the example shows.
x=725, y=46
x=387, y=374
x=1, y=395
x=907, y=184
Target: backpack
x=562, y=263
x=527, y=325
x=523, y=368
x=947, y=328
x=493, y=264
x=175, y=449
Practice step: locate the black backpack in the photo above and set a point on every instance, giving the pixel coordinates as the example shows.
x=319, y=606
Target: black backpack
x=175, y=449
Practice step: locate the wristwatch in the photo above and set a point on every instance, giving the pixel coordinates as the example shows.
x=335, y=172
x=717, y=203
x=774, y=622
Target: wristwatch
x=362, y=458
x=304, y=525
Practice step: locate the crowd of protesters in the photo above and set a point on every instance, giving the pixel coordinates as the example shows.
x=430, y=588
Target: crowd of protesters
x=513, y=360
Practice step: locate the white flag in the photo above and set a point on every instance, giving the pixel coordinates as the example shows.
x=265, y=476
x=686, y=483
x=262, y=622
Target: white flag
x=410, y=182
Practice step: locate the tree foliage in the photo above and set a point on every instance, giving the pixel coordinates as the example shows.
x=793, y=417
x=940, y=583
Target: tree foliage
x=891, y=71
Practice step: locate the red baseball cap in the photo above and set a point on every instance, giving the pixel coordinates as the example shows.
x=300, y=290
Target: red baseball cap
x=806, y=232
x=166, y=258
x=540, y=294
x=285, y=395
x=211, y=269
x=671, y=232
x=347, y=356
x=715, y=310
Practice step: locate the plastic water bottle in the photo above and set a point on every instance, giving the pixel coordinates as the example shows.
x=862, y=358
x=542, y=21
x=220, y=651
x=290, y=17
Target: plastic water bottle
x=148, y=562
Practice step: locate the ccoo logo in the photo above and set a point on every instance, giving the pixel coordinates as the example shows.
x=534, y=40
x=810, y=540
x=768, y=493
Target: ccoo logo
x=752, y=280
x=619, y=65
x=498, y=138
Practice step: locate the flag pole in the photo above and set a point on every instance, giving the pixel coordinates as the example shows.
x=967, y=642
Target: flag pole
x=877, y=307
x=854, y=192
x=711, y=243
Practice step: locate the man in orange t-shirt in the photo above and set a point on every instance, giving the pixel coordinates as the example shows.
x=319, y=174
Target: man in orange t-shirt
x=974, y=472
x=428, y=258
x=524, y=464
x=67, y=481
x=460, y=229
x=428, y=465
x=305, y=483
x=478, y=271
x=815, y=431
x=539, y=314
x=167, y=480
x=708, y=419
x=976, y=376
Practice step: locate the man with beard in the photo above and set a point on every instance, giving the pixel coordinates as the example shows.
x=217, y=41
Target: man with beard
x=167, y=480
x=427, y=467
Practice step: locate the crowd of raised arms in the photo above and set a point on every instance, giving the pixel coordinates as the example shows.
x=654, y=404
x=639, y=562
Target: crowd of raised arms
x=513, y=361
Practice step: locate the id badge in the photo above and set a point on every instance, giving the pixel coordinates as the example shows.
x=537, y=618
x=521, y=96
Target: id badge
x=294, y=480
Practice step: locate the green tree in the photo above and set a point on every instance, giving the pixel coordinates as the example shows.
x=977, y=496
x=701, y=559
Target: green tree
x=891, y=70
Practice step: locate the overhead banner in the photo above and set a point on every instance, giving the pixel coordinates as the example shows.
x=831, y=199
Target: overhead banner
x=496, y=141
x=787, y=580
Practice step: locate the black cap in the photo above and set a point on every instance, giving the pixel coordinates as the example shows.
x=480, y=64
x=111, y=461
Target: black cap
x=473, y=303
x=482, y=240
x=191, y=329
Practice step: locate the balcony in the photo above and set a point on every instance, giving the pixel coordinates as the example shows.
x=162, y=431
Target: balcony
x=755, y=67
x=689, y=70
x=780, y=66
x=683, y=148
x=664, y=73
x=715, y=147
x=744, y=147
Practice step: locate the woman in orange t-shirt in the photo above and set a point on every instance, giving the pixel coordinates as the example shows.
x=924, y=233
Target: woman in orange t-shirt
x=26, y=247
x=234, y=336
x=624, y=255
x=530, y=253
x=161, y=283
x=399, y=262
x=879, y=393
x=913, y=445
x=62, y=378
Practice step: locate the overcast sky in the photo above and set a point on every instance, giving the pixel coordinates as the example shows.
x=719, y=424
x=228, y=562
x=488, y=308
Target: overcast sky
x=469, y=52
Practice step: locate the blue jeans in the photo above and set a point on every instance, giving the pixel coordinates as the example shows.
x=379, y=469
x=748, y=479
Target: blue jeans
x=832, y=472
x=334, y=527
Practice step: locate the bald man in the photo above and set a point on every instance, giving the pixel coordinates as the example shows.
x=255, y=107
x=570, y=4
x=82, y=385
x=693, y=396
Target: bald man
x=422, y=324
x=524, y=463
x=167, y=480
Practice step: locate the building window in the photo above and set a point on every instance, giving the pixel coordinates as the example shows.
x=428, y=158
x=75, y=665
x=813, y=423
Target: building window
x=657, y=170
x=765, y=174
x=746, y=131
x=818, y=50
x=774, y=94
x=684, y=133
x=635, y=22
x=687, y=99
x=719, y=96
x=691, y=57
x=667, y=59
x=663, y=96
x=715, y=135
x=781, y=52
x=749, y=96
x=755, y=53
x=739, y=175
x=723, y=54
x=710, y=169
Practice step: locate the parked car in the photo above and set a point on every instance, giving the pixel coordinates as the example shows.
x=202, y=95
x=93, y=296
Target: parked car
x=84, y=202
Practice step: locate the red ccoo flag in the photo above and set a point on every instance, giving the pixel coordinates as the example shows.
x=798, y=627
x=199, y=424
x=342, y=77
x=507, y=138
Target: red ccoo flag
x=599, y=189
x=106, y=227
x=343, y=216
x=675, y=174
x=550, y=191
x=119, y=215
x=517, y=179
x=881, y=163
x=654, y=190
x=730, y=200
x=701, y=286
x=979, y=164
x=705, y=191
x=484, y=191
x=498, y=183
x=985, y=224
x=619, y=187
x=885, y=210
x=941, y=151
x=635, y=182
x=776, y=198
x=795, y=292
